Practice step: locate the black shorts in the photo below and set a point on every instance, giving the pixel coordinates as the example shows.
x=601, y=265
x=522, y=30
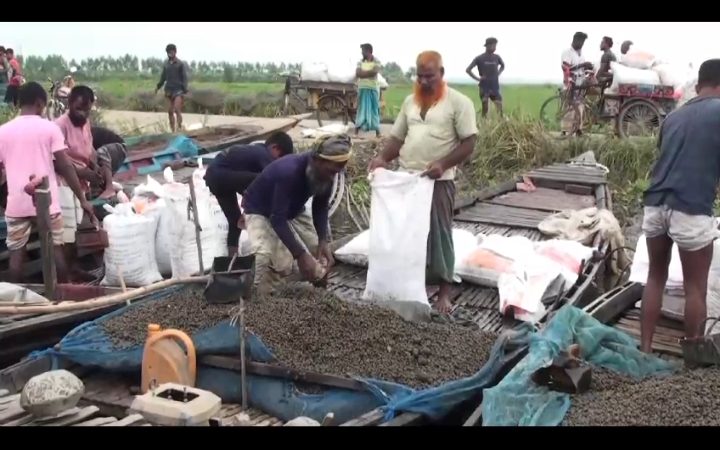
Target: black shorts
x=490, y=91
x=11, y=95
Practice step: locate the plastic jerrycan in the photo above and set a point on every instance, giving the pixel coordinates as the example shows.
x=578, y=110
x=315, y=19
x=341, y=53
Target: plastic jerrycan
x=164, y=359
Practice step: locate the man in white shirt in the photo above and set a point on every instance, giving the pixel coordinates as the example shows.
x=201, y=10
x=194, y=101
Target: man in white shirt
x=574, y=67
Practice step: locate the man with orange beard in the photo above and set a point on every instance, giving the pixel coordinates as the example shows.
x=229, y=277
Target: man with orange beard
x=433, y=133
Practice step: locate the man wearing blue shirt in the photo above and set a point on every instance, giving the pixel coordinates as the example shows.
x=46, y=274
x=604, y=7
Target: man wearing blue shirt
x=679, y=204
x=232, y=171
x=280, y=230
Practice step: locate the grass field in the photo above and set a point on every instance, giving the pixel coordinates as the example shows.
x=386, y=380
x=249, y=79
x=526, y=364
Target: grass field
x=523, y=100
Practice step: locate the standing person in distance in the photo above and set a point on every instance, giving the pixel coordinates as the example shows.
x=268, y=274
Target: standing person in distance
x=490, y=66
x=574, y=67
x=175, y=79
x=4, y=72
x=679, y=205
x=368, y=114
x=15, y=76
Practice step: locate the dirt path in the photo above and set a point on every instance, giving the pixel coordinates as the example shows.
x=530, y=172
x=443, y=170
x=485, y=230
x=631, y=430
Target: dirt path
x=152, y=122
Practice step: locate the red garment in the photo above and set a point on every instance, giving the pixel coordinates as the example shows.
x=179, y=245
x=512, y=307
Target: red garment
x=17, y=77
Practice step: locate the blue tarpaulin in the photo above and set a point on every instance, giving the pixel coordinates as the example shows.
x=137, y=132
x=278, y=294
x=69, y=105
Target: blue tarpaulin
x=517, y=400
x=88, y=345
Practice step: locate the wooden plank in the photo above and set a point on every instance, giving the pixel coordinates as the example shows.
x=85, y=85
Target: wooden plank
x=131, y=420
x=50, y=320
x=403, y=420
x=270, y=370
x=544, y=199
x=42, y=202
x=474, y=417
x=97, y=422
x=615, y=305
x=85, y=413
x=24, y=420
x=578, y=189
x=11, y=412
x=9, y=399
x=503, y=215
x=368, y=419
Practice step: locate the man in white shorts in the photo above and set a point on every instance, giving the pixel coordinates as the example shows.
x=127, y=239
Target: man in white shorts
x=679, y=204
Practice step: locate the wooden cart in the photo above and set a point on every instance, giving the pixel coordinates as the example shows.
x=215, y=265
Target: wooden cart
x=327, y=100
x=634, y=109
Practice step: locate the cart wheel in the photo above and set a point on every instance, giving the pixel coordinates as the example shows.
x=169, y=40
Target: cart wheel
x=638, y=118
x=334, y=107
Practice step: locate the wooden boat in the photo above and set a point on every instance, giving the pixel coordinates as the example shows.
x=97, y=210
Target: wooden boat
x=141, y=162
x=151, y=153
x=500, y=209
x=619, y=308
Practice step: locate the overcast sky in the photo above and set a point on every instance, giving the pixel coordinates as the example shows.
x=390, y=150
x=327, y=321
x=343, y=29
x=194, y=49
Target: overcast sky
x=531, y=50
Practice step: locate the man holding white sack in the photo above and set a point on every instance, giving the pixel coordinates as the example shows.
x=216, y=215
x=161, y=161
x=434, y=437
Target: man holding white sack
x=435, y=131
x=279, y=227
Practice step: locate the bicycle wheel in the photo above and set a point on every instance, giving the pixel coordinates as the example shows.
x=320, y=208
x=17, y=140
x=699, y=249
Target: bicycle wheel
x=551, y=112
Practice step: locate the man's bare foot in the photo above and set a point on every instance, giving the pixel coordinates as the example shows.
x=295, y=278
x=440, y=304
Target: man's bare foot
x=443, y=305
x=107, y=194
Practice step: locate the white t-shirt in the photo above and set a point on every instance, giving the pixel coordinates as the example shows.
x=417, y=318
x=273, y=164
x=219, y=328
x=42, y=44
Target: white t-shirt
x=574, y=58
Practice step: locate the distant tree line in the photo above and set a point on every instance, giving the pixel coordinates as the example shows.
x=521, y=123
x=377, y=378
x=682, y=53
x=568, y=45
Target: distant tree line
x=131, y=67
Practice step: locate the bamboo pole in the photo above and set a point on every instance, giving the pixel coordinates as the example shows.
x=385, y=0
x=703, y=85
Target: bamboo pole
x=98, y=302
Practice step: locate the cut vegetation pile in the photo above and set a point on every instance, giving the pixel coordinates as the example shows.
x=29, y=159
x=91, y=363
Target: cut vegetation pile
x=507, y=148
x=312, y=330
x=685, y=399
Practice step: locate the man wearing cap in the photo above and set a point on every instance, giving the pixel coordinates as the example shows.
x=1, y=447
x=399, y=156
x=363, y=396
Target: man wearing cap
x=574, y=67
x=489, y=66
x=279, y=228
x=434, y=132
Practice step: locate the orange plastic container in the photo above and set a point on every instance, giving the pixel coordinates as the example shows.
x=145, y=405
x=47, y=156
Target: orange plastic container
x=165, y=360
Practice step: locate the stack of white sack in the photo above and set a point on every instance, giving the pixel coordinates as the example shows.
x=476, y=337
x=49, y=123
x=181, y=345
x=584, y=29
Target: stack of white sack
x=636, y=67
x=629, y=75
x=219, y=221
x=130, y=256
x=356, y=251
x=525, y=272
x=334, y=73
x=639, y=60
x=175, y=243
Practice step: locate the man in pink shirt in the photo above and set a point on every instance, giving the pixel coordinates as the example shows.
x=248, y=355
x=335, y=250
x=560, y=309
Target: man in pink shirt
x=76, y=129
x=28, y=145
